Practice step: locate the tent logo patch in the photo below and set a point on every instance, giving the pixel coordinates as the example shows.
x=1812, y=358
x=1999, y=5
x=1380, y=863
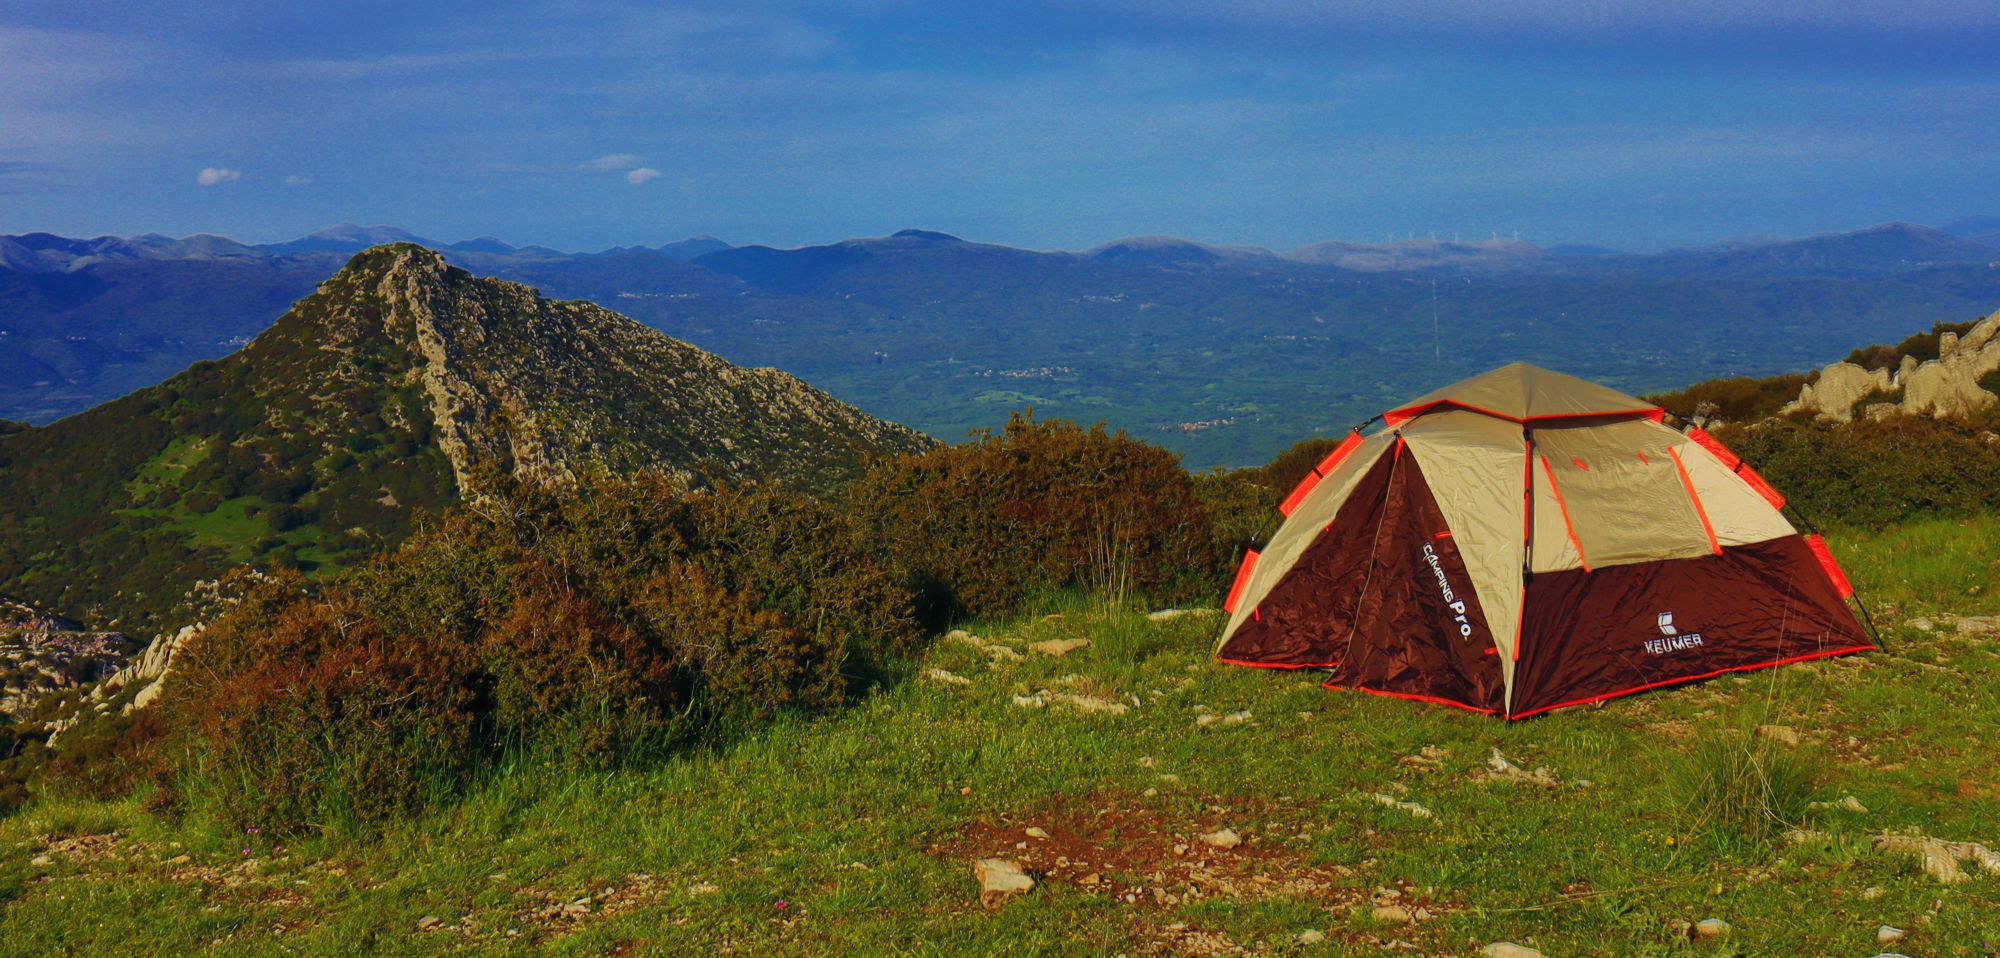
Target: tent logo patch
x=1451, y=599
x=1675, y=640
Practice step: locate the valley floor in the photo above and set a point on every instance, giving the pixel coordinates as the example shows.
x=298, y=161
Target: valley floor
x=1366, y=825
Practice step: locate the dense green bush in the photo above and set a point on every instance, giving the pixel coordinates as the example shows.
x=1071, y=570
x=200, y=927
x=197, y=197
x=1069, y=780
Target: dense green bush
x=587, y=628
x=1040, y=506
x=1869, y=473
x=1741, y=399
x=1923, y=346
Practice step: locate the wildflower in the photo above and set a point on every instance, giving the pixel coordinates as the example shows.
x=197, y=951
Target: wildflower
x=781, y=904
x=252, y=830
x=246, y=851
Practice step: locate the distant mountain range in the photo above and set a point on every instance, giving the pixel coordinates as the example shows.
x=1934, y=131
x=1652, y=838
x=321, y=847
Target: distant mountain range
x=1225, y=353
x=388, y=389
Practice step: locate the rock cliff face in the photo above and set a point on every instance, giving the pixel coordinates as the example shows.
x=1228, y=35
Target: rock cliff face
x=1949, y=385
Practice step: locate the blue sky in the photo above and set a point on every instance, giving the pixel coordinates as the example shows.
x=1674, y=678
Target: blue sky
x=1044, y=124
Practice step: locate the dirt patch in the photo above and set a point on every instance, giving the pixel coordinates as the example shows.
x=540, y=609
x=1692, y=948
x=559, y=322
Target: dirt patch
x=1129, y=851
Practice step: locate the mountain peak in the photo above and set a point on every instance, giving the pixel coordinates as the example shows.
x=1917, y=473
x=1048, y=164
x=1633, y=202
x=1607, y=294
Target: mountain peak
x=930, y=236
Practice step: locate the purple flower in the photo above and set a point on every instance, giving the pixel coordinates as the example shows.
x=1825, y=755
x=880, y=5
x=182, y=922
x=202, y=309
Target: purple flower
x=246, y=851
x=252, y=830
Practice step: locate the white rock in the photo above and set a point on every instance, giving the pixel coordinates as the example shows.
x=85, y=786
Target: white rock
x=1507, y=949
x=1922, y=624
x=1222, y=838
x=1034, y=832
x=1888, y=935
x=1394, y=914
x=1057, y=648
x=1711, y=927
x=943, y=677
x=1310, y=937
x=1000, y=879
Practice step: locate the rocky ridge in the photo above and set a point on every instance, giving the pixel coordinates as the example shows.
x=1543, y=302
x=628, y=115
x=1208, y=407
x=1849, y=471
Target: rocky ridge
x=1949, y=385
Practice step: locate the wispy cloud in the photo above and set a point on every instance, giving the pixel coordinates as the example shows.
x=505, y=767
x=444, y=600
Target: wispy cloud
x=297, y=180
x=217, y=175
x=612, y=162
x=642, y=174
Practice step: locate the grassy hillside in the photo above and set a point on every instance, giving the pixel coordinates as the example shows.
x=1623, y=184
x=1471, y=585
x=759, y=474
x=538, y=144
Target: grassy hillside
x=856, y=834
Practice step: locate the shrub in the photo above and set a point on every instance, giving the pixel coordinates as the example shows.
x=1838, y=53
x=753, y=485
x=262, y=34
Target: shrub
x=591, y=627
x=1871, y=474
x=564, y=673
x=1741, y=399
x=1043, y=505
x=304, y=711
x=1735, y=785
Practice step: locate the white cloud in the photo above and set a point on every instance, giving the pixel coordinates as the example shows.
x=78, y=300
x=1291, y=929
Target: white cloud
x=642, y=174
x=297, y=180
x=613, y=161
x=213, y=175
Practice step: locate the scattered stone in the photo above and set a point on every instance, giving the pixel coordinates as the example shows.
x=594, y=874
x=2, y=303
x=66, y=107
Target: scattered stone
x=1873, y=892
x=1146, y=761
x=1168, y=615
x=1029, y=701
x=1711, y=928
x=1091, y=703
x=1779, y=733
x=1888, y=935
x=1311, y=936
x=1034, y=832
x=999, y=880
x=1507, y=949
x=997, y=654
x=40, y=861
x=1222, y=838
x=943, y=677
x=1941, y=857
x=1237, y=717
x=1922, y=624
x=702, y=888
x=1057, y=648
x=1393, y=914
x=1499, y=769
x=1206, y=719
x=1392, y=802
x=1848, y=803
x=428, y=922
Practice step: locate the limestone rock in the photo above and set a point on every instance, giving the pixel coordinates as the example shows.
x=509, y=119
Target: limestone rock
x=1839, y=387
x=1507, y=949
x=999, y=880
x=1888, y=935
x=1222, y=838
x=1057, y=648
x=1711, y=928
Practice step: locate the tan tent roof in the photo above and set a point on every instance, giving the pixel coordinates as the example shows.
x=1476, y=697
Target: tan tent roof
x=1522, y=393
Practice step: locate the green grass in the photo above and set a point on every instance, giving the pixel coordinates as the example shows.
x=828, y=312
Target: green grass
x=864, y=825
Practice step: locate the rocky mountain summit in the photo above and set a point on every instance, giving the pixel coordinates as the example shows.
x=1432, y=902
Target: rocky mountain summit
x=384, y=393
x=1961, y=380
x=560, y=390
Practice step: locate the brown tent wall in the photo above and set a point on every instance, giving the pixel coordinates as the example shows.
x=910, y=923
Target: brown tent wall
x=1421, y=633
x=1613, y=631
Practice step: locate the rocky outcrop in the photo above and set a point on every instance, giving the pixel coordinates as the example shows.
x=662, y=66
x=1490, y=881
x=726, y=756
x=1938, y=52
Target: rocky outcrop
x=1839, y=387
x=1946, y=386
x=42, y=654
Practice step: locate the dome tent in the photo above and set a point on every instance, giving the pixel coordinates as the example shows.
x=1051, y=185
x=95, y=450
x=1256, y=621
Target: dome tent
x=1524, y=541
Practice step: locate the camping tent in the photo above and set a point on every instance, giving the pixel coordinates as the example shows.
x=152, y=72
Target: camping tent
x=1526, y=540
